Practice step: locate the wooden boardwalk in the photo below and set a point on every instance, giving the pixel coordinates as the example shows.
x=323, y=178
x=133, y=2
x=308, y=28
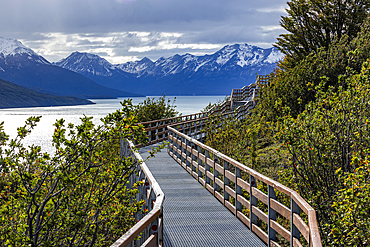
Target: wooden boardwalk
x=191, y=215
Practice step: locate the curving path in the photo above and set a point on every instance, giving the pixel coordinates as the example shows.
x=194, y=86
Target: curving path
x=191, y=215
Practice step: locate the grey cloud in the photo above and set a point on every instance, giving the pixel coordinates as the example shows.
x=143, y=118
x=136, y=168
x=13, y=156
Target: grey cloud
x=110, y=15
x=199, y=21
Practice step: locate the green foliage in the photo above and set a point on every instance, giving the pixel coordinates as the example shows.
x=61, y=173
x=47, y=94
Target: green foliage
x=295, y=87
x=324, y=138
x=351, y=222
x=152, y=109
x=250, y=142
x=315, y=24
x=78, y=195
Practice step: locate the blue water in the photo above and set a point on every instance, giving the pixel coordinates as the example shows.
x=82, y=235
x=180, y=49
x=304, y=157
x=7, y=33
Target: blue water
x=42, y=134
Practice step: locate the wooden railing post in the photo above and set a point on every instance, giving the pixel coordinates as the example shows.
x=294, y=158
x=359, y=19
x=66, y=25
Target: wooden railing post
x=208, y=180
x=150, y=132
x=200, y=128
x=188, y=144
x=195, y=130
x=271, y=216
x=226, y=181
x=181, y=146
x=215, y=175
x=253, y=201
x=199, y=149
x=156, y=130
x=178, y=153
x=294, y=208
x=238, y=191
x=170, y=149
x=193, y=158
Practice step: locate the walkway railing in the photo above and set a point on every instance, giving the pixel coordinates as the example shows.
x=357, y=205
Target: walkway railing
x=249, y=195
x=148, y=231
x=235, y=185
x=157, y=129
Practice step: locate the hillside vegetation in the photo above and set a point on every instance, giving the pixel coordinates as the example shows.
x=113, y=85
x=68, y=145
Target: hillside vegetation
x=13, y=96
x=311, y=129
x=79, y=195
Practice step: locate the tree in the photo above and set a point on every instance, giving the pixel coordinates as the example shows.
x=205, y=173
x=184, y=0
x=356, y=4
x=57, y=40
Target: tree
x=312, y=24
x=294, y=87
x=328, y=135
x=152, y=109
x=78, y=195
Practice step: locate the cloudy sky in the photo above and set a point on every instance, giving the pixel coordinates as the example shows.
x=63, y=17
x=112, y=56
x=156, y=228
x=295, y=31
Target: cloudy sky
x=126, y=30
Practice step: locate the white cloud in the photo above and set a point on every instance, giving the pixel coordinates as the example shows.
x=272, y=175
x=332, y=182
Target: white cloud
x=116, y=47
x=125, y=1
x=280, y=9
x=131, y=29
x=271, y=28
x=169, y=46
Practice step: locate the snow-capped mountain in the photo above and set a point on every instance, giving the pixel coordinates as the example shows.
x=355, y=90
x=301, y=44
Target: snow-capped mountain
x=86, y=62
x=231, y=55
x=231, y=67
x=95, y=68
x=12, y=50
x=22, y=66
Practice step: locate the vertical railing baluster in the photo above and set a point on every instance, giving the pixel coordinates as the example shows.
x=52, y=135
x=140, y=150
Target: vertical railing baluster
x=150, y=133
x=170, y=139
x=208, y=180
x=271, y=216
x=195, y=130
x=188, y=144
x=199, y=149
x=226, y=181
x=193, y=158
x=253, y=201
x=215, y=175
x=294, y=208
x=238, y=191
x=178, y=147
x=181, y=146
x=156, y=131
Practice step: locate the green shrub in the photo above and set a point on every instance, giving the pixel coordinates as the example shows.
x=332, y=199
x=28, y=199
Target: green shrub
x=324, y=138
x=351, y=222
x=78, y=195
x=152, y=109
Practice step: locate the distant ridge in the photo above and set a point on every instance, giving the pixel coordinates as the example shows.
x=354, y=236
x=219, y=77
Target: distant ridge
x=231, y=67
x=22, y=66
x=15, y=96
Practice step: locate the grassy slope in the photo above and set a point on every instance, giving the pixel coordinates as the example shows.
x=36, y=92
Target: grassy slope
x=12, y=96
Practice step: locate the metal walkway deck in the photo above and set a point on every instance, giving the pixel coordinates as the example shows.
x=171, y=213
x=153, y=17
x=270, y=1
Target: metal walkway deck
x=191, y=215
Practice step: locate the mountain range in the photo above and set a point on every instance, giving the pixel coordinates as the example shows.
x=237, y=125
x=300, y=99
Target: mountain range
x=22, y=66
x=87, y=75
x=234, y=66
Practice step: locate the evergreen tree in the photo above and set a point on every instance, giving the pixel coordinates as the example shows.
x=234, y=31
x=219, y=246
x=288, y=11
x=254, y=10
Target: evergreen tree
x=312, y=24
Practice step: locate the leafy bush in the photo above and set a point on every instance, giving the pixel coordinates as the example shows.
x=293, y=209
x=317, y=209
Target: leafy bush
x=351, y=222
x=294, y=87
x=250, y=141
x=324, y=138
x=77, y=196
x=152, y=109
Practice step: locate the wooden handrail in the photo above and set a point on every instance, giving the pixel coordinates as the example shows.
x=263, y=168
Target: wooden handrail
x=152, y=194
x=137, y=229
x=195, y=157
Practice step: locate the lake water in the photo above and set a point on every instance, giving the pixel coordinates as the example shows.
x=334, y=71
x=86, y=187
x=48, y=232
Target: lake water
x=42, y=134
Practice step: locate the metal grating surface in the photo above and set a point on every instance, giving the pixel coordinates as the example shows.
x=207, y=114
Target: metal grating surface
x=191, y=215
